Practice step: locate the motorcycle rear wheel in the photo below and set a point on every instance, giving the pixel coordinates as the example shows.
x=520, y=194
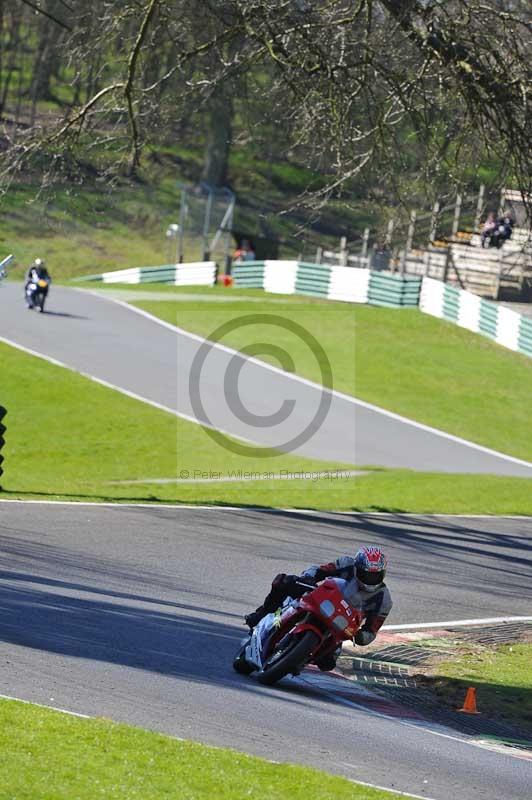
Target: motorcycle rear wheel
x=294, y=657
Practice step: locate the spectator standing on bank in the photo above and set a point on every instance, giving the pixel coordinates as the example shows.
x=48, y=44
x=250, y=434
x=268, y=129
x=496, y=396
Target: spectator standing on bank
x=487, y=229
x=245, y=252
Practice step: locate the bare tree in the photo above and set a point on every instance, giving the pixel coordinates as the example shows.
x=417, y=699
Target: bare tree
x=376, y=87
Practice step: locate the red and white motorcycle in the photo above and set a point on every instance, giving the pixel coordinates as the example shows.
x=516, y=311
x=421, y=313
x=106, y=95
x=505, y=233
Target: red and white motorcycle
x=301, y=632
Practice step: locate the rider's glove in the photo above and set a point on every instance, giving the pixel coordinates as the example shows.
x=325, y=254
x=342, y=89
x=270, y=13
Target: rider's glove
x=363, y=638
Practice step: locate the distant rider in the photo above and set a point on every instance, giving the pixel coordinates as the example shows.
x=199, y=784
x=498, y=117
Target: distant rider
x=367, y=568
x=36, y=271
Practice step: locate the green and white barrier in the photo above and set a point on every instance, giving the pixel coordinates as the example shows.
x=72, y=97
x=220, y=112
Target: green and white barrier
x=504, y=326
x=202, y=273
x=248, y=274
x=280, y=276
x=347, y=284
x=393, y=291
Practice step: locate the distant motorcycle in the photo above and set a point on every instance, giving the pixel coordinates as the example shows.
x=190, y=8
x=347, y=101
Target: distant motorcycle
x=301, y=632
x=36, y=292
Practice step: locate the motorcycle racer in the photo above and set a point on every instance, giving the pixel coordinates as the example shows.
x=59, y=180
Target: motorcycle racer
x=36, y=271
x=367, y=569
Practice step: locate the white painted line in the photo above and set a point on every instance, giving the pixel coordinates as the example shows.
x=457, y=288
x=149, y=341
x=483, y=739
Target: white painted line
x=456, y=623
x=42, y=705
x=423, y=725
x=215, y=747
x=334, y=392
x=394, y=791
x=123, y=391
x=273, y=510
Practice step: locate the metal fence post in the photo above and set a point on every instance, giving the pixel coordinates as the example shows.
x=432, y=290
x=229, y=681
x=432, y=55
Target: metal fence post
x=343, y=251
x=389, y=233
x=457, y=210
x=181, y=232
x=409, y=242
x=365, y=240
x=434, y=222
x=448, y=257
x=206, y=226
x=480, y=204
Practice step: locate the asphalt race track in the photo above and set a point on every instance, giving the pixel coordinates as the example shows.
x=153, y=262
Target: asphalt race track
x=111, y=342
x=134, y=613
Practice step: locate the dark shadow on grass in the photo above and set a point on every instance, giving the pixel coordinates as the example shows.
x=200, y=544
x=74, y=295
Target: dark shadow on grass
x=504, y=712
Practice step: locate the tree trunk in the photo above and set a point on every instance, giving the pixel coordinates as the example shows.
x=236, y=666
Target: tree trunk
x=219, y=137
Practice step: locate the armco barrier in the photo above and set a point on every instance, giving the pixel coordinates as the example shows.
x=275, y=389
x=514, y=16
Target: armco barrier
x=313, y=279
x=347, y=284
x=502, y=324
x=202, y=273
x=393, y=291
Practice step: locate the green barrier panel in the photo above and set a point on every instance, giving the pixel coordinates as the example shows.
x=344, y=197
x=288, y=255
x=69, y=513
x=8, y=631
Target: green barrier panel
x=249, y=274
x=451, y=303
x=393, y=291
x=489, y=314
x=525, y=336
x=164, y=275
x=312, y=279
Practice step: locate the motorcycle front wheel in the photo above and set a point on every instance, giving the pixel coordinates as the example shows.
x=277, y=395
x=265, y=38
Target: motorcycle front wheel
x=290, y=659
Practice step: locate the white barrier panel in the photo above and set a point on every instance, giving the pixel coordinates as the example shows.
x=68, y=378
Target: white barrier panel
x=508, y=328
x=431, y=297
x=122, y=276
x=469, y=311
x=201, y=273
x=280, y=276
x=349, y=284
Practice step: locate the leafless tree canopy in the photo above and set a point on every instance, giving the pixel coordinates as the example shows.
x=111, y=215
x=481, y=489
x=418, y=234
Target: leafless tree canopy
x=378, y=86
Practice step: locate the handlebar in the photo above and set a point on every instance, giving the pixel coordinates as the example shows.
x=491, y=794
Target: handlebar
x=306, y=585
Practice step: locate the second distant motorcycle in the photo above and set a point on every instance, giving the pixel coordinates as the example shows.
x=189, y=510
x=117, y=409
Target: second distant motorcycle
x=37, y=285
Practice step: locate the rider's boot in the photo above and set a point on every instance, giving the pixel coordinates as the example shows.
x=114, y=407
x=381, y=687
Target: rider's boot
x=255, y=617
x=328, y=662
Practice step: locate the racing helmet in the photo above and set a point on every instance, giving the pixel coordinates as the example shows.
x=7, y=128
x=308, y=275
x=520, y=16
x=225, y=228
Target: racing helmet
x=370, y=567
x=38, y=263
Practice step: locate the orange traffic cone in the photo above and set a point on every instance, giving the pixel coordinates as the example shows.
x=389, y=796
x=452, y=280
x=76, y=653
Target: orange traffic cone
x=470, y=702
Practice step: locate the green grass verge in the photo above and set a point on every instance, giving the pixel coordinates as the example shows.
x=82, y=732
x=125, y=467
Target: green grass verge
x=47, y=755
x=501, y=676
x=402, y=360
x=70, y=437
x=395, y=491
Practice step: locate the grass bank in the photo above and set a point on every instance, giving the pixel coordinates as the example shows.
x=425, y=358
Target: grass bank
x=501, y=677
x=402, y=360
x=70, y=437
x=46, y=754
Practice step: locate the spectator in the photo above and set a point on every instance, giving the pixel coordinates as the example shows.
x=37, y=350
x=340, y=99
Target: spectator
x=487, y=229
x=245, y=252
x=502, y=232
